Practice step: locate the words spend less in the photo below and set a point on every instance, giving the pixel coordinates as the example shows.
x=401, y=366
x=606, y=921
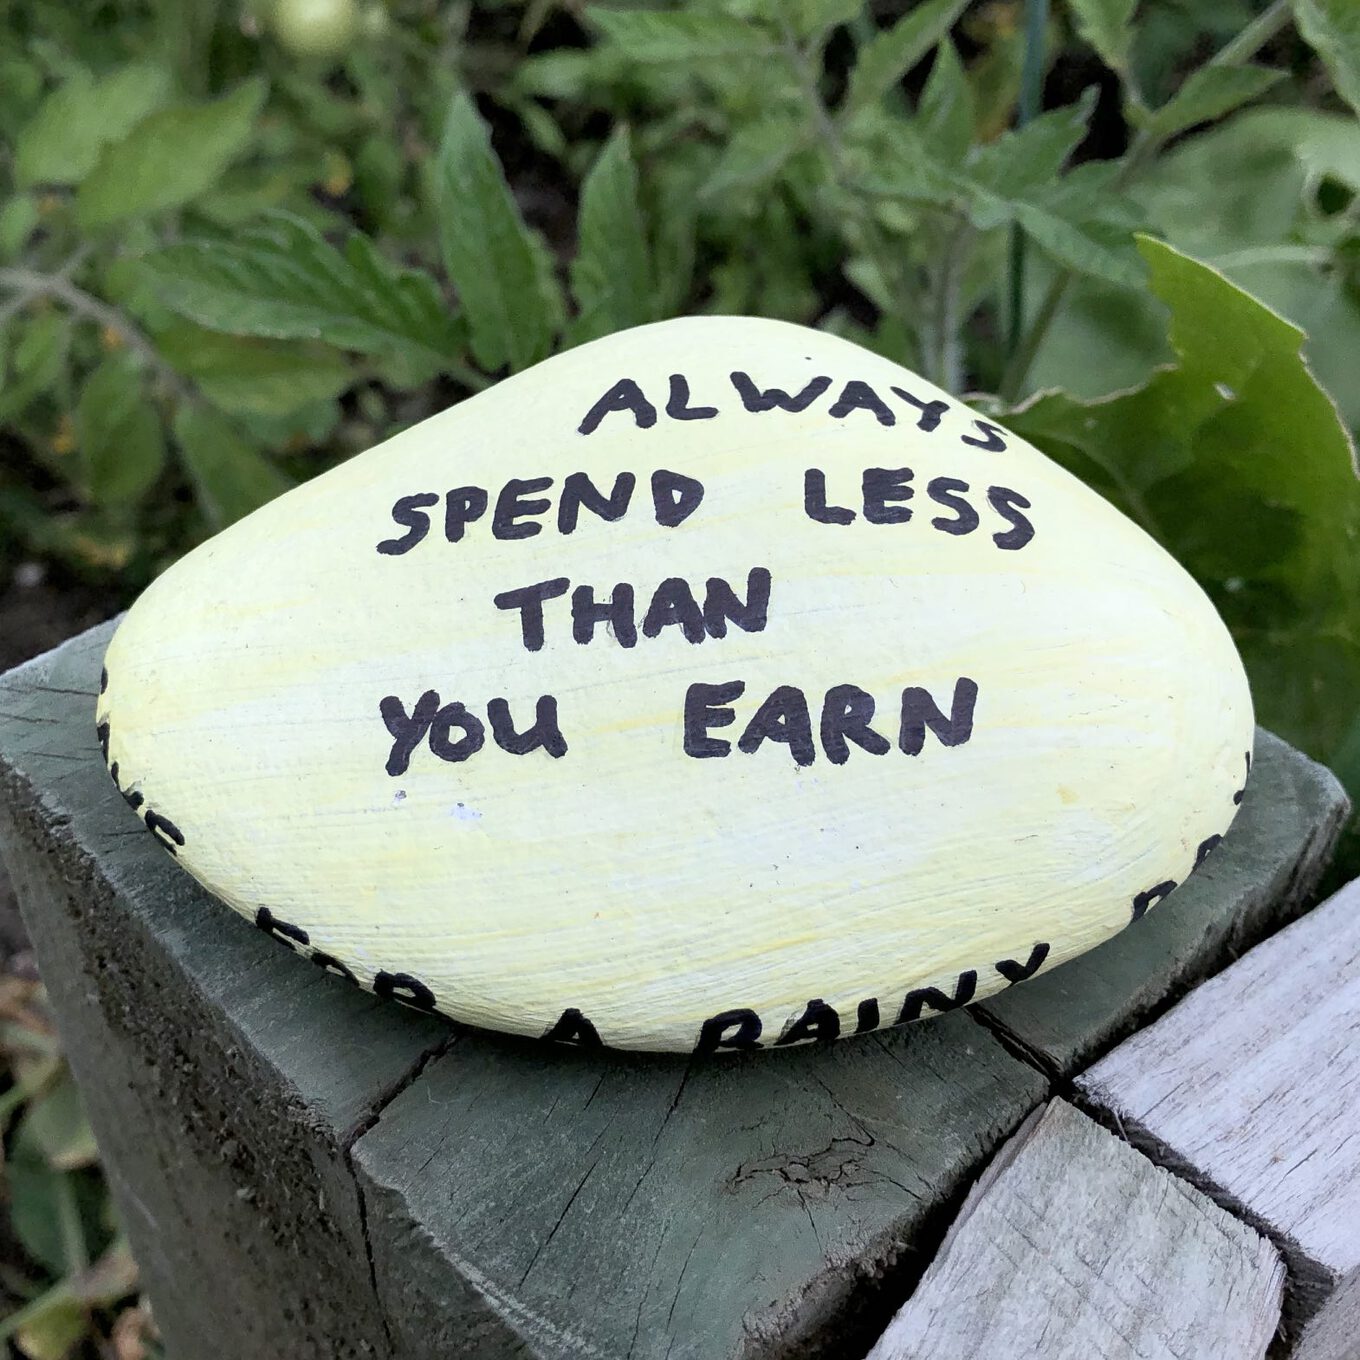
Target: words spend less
x=523, y=508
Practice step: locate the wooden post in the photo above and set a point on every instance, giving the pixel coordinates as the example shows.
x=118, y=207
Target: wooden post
x=306, y=1171
x=1250, y=1087
x=1073, y=1245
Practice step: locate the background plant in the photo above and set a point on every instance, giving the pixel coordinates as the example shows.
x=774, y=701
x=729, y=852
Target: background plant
x=241, y=242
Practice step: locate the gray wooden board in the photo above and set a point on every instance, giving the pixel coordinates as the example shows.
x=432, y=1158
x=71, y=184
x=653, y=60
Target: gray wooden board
x=1250, y=1086
x=1074, y=1246
x=1259, y=878
x=644, y=1207
x=224, y=1077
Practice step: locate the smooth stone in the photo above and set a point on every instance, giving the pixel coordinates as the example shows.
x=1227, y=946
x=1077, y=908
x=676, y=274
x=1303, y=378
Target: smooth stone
x=895, y=714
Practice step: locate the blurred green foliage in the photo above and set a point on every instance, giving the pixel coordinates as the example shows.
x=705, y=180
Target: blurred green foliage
x=240, y=242
x=73, y=1279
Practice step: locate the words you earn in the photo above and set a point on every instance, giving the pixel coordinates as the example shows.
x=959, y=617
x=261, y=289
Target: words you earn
x=521, y=508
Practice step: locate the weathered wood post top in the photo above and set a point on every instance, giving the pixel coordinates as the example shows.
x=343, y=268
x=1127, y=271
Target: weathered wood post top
x=307, y=1170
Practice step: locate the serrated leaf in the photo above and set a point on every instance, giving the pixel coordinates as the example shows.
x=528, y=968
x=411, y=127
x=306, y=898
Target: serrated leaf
x=282, y=280
x=118, y=432
x=1107, y=26
x=1209, y=93
x=648, y=35
x=889, y=55
x=1032, y=157
x=1332, y=29
x=1237, y=460
x=612, y=274
x=945, y=113
x=261, y=377
x=62, y=142
x=168, y=158
x=487, y=249
x=230, y=476
x=755, y=153
x=1085, y=247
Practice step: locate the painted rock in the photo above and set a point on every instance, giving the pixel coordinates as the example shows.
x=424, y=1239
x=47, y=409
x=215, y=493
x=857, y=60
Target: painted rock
x=717, y=684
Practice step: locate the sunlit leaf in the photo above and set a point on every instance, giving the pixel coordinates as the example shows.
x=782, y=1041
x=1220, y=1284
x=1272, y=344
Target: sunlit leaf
x=1237, y=460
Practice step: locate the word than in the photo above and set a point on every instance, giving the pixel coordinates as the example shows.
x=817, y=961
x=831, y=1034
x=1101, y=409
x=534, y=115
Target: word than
x=627, y=397
x=673, y=604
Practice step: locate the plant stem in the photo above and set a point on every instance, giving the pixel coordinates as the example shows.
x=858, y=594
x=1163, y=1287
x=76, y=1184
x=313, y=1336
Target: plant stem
x=29, y=285
x=946, y=349
x=1142, y=149
x=1255, y=36
x=1031, y=99
x=875, y=240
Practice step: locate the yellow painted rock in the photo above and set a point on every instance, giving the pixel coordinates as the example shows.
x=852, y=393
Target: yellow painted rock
x=716, y=684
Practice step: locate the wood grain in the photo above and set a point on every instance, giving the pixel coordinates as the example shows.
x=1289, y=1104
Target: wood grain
x=1251, y=1086
x=224, y=1077
x=514, y=1198
x=1073, y=1246
x=761, y=1206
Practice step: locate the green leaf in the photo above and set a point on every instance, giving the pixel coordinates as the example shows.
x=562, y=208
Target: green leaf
x=53, y=1332
x=118, y=432
x=1237, y=460
x=1332, y=29
x=168, y=158
x=1207, y=94
x=36, y=365
x=755, y=153
x=889, y=55
x=262, y=377
x=57, y=1126
x=230, y=476
x=18, y=218
x=813, y=17
x=612, y=274
x=647, y=35
x=487, y=249
x=1085, y=247
x=1032, y=157
x=282, y=280
x=945, y=113
x=1106, y=25
x=78, y=119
